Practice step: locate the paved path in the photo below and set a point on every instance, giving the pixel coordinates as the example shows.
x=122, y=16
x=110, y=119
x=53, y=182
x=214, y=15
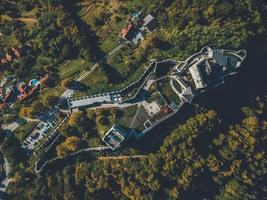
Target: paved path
x=121, y=157
x=135, y=116
x=92, y=149
x=7, y=179
x=87, y=10
x=12, y=126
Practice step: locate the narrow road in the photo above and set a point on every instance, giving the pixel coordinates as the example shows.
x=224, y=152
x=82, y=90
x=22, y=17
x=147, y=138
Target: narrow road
x=22, y=19
x=135, y=116
x=7, y=179
x=39, y=168
x=121, y=157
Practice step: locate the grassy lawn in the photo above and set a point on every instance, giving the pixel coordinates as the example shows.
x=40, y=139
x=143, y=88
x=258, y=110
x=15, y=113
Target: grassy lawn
x=95, y=81
x=166, y=90
x=73, y=68
x=95, y=78
x=70, y=69
x=24, y=130
x=125, y=119
x=8, y=40
x=30, y=13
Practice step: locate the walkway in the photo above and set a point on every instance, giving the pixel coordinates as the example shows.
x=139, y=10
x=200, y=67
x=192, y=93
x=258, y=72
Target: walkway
x=40, y=168
x=7, y=179
x=22, y=19
x=121, y=157
x=87, y=10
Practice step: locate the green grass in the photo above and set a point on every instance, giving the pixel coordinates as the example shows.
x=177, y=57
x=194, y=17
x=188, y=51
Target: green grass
x=127, y=116
x=30, y=13
x=8, y=40
x=24, y=130
x=156, y=97
x=166, y=90
x=73, y=68
x=109, y=44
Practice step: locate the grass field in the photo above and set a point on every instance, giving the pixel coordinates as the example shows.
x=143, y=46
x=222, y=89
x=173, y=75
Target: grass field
x=126, y=118
x=73, y=68
x=166, y=90
x=8, y=40
x=70, y=69
x=24, y=130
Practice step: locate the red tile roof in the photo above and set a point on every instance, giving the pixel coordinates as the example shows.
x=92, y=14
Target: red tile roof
x=126, y=30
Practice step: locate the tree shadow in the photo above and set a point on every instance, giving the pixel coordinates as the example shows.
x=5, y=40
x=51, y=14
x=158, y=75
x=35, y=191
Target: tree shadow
x=90, y=40
x=112, y=73
x=79, y=86
x=161, y=44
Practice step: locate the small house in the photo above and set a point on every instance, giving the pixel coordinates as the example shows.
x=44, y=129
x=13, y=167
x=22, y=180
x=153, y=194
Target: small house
x=127, y=32
x=150, y=23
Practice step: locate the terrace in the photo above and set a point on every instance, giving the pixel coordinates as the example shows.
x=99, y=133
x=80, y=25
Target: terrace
x=114, y=137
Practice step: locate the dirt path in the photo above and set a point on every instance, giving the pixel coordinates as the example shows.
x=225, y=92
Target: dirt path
x=22, y=19
x=87, y=10
x=120, y=157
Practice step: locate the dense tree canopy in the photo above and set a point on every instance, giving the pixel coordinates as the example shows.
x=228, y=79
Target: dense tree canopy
x=200, y=159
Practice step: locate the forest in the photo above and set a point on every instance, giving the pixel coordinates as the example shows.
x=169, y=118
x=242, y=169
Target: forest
x=231, y=166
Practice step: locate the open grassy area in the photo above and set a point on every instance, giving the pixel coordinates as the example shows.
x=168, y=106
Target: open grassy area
x=156, y=97
x=8, y=40
x=106, y=29
x=73, y=68
x=30, y=13
x=99, y=82
x=127, y=115
x=166, y=90
x=24, y=130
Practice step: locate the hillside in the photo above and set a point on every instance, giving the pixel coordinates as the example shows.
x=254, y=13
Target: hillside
x=58, y=51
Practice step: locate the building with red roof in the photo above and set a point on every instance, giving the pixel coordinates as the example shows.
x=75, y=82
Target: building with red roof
x=125, y=33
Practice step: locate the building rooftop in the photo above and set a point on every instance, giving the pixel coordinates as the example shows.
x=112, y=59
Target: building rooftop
x=211, y=66
x=150, y=22
x=126, y=30
x=114, y=137
x=149, y=18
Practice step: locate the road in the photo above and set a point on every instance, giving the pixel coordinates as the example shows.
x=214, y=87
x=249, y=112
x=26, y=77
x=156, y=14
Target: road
x=39, y=167
x=6, y=181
